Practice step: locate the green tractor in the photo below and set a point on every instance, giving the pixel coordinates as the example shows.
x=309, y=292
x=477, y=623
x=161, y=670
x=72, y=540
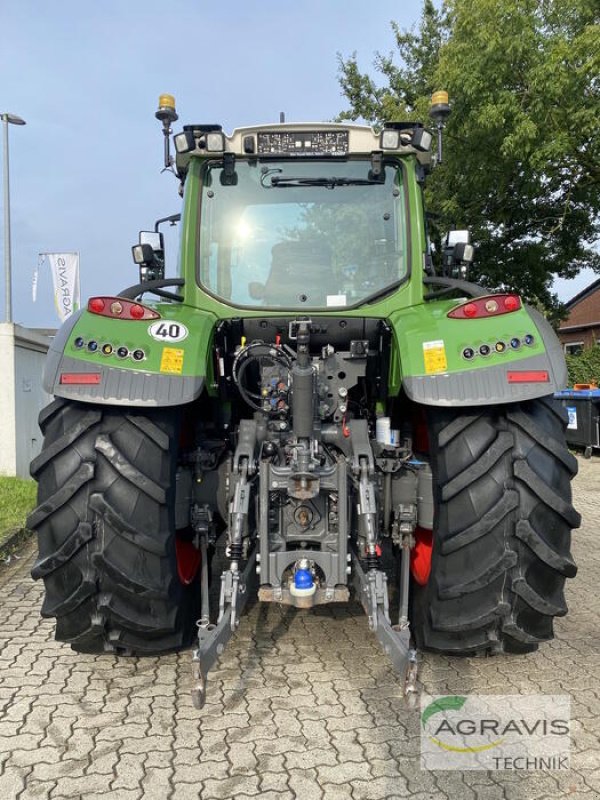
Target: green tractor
x=305, y=400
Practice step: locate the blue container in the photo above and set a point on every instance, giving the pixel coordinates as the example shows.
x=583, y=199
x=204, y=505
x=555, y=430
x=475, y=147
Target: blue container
x=583, y=408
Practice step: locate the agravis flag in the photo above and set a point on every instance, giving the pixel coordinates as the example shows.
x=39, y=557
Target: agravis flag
x=65, y=278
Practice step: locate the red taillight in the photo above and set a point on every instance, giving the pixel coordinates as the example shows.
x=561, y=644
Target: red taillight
x=528, y=376
x=81, y=378
x=96, y=305
x=512, y=303
x=489, y=306
x=118, y=308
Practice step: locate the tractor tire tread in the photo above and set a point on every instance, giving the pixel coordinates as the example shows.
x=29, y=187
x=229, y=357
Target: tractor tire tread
x=106, y=530
x=503, y=520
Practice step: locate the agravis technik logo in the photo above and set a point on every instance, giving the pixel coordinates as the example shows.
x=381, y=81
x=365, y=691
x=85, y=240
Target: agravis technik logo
x=529, y=732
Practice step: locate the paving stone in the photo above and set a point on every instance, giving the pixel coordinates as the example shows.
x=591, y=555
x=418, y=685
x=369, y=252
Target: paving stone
x=12, y=781
x=301, y=705
x=346, y=771
x=115, y=794
x=104, y=760
x=273, y=781
x=380, y=788
x=314, y=757
x=27, y=758
x=231, y=787
x=156, y=783
x=305, y=784
x=55, y=772
x=129, y=772
x=71, y=786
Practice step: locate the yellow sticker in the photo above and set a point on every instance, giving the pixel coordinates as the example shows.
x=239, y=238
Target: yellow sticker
x=434, y=355
x=172, y=360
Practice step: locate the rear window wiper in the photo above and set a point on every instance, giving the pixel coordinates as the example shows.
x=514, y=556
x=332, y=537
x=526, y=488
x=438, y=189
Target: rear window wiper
x=283, y=181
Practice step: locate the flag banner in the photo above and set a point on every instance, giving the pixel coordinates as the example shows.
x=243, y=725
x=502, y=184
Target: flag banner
x=36, y=276
x=34, y=283
x=65, y=278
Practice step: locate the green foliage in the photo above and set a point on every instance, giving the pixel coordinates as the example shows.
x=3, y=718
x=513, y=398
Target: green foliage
x=521, y=158
x=17, y=498
x=585, y=367
x=409, y=85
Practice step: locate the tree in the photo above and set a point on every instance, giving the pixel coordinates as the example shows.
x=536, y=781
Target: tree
x=521, y=158
x=409, y=85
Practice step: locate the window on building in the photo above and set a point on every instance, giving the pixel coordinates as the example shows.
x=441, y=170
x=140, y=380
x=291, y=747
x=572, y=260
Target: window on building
x=573, y=348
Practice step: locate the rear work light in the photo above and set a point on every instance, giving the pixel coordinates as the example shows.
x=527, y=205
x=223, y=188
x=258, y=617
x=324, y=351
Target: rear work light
x=80, y=378
x=490, y=306
x=118, y=308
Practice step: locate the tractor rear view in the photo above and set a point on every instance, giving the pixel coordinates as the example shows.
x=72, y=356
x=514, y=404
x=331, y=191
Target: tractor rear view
x=304, y=400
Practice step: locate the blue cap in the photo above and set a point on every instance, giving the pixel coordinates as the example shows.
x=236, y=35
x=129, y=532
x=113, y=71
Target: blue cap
x=303, y=579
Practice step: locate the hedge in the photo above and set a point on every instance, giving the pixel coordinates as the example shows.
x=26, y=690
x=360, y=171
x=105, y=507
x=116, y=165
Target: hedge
x=585, y=367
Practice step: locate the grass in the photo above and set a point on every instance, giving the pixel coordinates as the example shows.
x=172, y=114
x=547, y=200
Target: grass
x=17, y=498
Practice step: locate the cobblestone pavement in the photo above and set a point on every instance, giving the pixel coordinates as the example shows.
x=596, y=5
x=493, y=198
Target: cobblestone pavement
x=302, y=705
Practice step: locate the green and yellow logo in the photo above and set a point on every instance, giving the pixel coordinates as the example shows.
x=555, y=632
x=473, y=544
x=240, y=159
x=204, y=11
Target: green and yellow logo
x=461, y=729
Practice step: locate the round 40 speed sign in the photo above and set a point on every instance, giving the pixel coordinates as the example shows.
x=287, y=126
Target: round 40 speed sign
x=168, y=331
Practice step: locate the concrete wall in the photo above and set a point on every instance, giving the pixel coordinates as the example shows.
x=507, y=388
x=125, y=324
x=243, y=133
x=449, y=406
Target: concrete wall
x=22, y=354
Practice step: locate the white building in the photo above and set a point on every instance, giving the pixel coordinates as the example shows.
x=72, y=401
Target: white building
x=22, y=354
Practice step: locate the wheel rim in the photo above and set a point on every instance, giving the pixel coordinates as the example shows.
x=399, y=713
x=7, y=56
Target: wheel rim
x=188, y=560
x=420, y=556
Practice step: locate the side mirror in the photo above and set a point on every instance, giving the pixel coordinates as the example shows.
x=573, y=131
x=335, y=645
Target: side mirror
x=154, y=239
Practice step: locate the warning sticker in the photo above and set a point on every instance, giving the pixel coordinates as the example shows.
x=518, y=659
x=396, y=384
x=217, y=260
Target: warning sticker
x=172, y=360
x=434, y=355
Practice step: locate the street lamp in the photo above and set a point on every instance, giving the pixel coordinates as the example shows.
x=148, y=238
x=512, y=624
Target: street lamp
x=13, y=120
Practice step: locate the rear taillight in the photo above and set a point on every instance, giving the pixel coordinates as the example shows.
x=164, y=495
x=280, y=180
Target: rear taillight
x=490, y=306
x=118, y=308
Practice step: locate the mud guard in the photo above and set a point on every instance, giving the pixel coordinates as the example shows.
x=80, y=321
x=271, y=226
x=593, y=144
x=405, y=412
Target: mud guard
x=117, y=386
x=510, y=379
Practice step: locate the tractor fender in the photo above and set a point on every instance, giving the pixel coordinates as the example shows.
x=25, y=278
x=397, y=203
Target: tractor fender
x=434, y=371
x=168, y=375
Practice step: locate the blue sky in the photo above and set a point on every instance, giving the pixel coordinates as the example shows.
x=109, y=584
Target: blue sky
x=85, y=170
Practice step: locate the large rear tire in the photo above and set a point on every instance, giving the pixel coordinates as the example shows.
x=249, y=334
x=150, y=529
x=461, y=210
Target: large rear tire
x=502, y=529
x=105, y=522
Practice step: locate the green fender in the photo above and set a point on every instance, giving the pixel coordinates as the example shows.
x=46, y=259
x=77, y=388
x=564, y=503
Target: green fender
x=432, y=369
x=173, y=369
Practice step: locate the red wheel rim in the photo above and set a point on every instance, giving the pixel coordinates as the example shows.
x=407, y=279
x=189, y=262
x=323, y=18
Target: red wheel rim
x=420, y=556
x=188, y=560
